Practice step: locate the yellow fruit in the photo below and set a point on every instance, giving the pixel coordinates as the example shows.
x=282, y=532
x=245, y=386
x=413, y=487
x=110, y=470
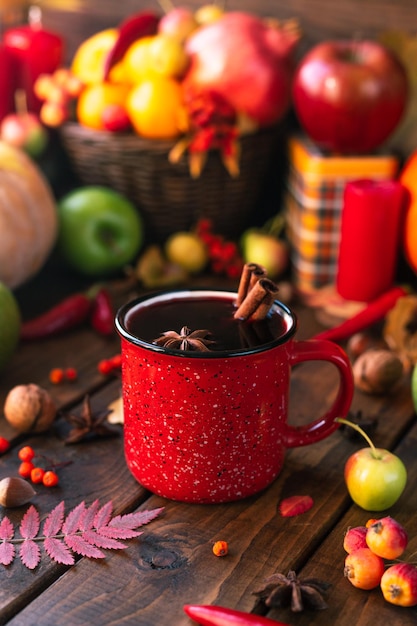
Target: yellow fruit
x=156, y=110
x=136, y=63
x=188, y=251
x=89, y=58
x=208, y=13
x=156, y=55
x=94, y=99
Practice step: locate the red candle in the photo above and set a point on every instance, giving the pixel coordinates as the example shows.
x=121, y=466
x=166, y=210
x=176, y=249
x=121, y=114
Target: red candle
x=34, y=51
x=369, y=238
x=6, y=83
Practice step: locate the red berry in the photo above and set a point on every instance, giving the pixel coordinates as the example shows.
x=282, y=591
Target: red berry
x=71, y=373
x=25, y=469
x=116, y=361
x=37, y=474
x=50, y=479
x=26, y=453
x=4, y=445
x=105, y=366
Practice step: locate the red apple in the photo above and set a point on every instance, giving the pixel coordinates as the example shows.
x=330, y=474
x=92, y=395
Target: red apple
x=179, y=22
x=115, y=118
x=349, y=96
x=24, y=131
x=387, y=538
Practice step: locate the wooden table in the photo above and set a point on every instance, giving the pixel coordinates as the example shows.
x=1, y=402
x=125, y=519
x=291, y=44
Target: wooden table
x=172, y=563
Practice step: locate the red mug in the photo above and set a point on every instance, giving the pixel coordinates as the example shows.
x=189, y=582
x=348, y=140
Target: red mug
x=212, y=426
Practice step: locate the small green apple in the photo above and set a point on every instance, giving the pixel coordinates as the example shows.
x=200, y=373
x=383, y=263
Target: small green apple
x=9, y=324
x=100, y=230
x=375, y=478
x=266, y=250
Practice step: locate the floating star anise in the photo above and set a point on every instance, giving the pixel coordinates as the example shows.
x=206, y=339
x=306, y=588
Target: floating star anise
x=89, y=424
x=282, y=591
x=186, y=339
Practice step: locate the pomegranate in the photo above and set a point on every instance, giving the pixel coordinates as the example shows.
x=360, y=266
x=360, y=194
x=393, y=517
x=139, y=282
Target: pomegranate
x=248, y=61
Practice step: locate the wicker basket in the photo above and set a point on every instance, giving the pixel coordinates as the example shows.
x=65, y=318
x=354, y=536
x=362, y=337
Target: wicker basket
x=168, y=198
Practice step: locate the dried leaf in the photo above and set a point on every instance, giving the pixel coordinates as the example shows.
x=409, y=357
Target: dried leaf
x=54, y=521
x=29, y=526
x=295, y=505
x=58, y=551
x=6, y=529
x=85, y=531
x=30, y=553
x=7, y=553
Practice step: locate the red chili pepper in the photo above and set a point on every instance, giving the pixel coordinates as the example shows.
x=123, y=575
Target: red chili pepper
x=374, y=312
x=208, y=615
x=102, y=313
x=68, y=313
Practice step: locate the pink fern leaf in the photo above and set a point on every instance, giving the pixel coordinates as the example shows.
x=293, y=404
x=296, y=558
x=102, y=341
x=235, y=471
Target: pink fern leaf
x=6, y=529
x=134, y=520
x=87, y=520
x=82, y=547
x=118, y=533
x=103, y=515
x=29, y=526
x=58, y=551
x=73, y=520
x=30, y=553
x=102, y=542
x=7, y=552
x=53, y=522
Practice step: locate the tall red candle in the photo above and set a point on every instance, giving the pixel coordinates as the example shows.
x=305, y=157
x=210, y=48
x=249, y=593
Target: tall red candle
x=34, y=51
x=369, y=238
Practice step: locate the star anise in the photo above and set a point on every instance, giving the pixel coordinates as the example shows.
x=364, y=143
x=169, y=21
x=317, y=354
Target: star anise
x=89, y=424
x=282, y=591
x=186, y=339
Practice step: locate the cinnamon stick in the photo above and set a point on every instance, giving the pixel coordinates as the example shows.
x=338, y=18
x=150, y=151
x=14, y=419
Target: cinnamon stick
x=251, y=273
x=258, y=300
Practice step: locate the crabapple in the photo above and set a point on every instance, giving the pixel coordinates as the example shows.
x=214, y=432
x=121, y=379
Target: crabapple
x=355, y=538
x=387, y=538
x=399, y=584
x=364, y=569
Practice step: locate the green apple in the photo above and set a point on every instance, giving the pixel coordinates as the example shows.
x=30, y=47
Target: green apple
x=9, y=325
x=375, y=478
x=266, y=250
x=100, y=231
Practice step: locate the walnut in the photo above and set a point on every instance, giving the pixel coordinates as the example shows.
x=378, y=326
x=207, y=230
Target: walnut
x=29, y=408
x=377, y=371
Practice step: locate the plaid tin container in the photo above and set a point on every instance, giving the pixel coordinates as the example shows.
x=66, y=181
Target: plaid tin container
x=313, y=206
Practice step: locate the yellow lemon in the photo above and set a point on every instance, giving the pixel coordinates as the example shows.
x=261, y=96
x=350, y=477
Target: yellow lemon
x=156, y=110
x=95, y=98
x=89, y=58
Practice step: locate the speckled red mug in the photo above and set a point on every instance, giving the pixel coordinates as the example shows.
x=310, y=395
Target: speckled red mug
x=209, y=427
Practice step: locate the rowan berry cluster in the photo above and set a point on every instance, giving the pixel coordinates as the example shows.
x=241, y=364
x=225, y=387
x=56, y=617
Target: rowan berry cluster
x=111, y=365
x=369, y=548
x=224, y=255
x=33, y=471
x=58, y=375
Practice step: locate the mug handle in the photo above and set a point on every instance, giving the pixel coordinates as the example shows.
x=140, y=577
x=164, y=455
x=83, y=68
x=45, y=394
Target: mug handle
x=321, y=350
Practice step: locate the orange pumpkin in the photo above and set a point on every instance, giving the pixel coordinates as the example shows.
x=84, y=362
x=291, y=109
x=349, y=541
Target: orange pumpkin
x=28, y=217
x=408, y=177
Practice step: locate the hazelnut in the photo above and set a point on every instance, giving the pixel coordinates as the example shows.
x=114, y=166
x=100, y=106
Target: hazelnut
x=15, y=491
x=377, y=371
x=29, y=408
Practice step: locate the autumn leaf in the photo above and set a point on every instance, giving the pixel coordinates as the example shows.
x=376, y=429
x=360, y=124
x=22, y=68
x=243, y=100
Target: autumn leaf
x=295, y=505
x=85, y=531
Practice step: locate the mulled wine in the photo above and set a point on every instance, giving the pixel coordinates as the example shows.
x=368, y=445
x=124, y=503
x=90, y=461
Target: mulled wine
x=197, y=310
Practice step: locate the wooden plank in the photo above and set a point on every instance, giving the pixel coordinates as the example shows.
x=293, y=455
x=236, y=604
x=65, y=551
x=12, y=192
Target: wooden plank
x=172, y=563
